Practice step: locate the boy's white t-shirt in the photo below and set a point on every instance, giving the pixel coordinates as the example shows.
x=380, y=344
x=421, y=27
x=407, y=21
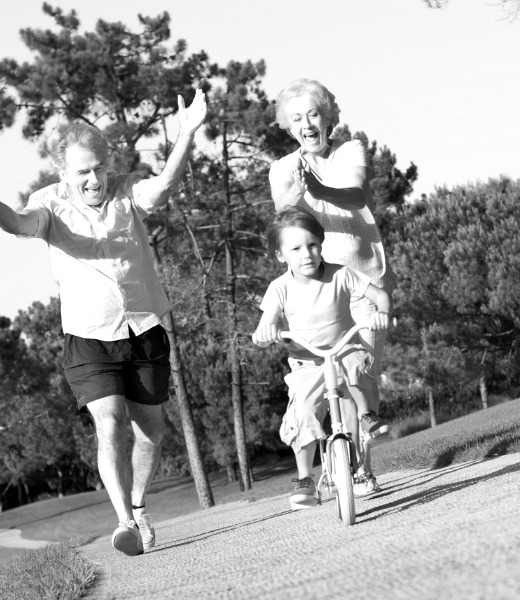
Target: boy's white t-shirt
x=319, y=311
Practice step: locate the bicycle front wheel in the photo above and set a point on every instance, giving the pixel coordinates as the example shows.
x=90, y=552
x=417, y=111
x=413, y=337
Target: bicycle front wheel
x=342, y=478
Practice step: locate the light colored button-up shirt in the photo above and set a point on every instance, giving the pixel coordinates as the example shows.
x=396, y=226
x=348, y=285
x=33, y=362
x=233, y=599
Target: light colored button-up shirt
x=101, y=259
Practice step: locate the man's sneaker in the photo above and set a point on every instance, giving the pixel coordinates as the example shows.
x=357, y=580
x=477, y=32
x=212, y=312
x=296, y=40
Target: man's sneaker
x=303, y=495
x=142, y=518
x=373, y=425
x=127, y=539
x=365, y=485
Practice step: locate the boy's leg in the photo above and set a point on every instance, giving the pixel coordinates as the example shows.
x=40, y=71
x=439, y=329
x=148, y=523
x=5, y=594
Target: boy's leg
x=305, y=460
x=303, y=495
x=302, y=426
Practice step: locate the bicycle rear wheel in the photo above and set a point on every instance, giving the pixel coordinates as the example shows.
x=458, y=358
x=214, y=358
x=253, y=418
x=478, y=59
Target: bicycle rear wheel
x=342, y=478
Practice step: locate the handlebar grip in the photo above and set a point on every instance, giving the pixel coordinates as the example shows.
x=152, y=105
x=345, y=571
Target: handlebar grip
x=264, y=344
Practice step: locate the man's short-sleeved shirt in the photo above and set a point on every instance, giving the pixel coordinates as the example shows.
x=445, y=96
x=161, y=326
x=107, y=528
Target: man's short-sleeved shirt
x=101, y=260
x=319, y=311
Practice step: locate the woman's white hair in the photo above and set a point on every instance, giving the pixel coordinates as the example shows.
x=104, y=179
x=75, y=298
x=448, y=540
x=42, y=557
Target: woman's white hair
x=299, y=87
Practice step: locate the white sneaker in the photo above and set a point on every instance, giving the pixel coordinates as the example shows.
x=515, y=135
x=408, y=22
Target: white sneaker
x=142, y=518
x=365, y=484
x=127, y=539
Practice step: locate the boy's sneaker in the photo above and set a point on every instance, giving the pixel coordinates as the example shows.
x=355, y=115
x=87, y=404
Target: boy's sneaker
x=142, y=518
x=373, y=425
x=365, y=485
x=127, y=539
x=304, y=493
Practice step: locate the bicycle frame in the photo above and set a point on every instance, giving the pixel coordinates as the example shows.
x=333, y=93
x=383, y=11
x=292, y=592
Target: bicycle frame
x=339, y=427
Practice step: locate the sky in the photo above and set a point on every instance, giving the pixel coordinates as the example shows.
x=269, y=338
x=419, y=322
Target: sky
x=440, y=88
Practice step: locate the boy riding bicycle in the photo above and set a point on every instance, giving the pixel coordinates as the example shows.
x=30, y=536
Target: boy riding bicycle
x=314, y=297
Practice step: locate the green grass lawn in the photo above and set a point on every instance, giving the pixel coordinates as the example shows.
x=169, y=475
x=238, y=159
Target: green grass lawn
x=55, y=572
x=479, y=435
x=58, y=571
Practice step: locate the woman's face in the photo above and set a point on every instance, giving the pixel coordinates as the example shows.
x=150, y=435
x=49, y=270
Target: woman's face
x=307, y=124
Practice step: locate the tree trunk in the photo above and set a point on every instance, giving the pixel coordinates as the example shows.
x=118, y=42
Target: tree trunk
x=231, y=470
x=188, y=425
x=186, y=414
x=234, y=358
x=238, y=412
x=431, y=404
x=483, y=390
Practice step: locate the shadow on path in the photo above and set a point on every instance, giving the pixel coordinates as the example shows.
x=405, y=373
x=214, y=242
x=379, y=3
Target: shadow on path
x=425, y=496
x=218, y=531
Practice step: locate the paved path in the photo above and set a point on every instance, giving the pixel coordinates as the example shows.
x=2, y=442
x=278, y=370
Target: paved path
x=452, y=533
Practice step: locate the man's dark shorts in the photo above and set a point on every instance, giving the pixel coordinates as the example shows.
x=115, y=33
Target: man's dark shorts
x=137, y=368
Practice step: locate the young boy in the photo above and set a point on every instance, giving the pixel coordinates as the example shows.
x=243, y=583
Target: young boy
x=314, y=297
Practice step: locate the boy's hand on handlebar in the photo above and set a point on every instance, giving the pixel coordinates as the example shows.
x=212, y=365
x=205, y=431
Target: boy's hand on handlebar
x=380, y=320
x=265, y=335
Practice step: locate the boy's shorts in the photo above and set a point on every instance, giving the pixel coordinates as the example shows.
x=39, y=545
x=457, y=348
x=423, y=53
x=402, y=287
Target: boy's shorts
x=137, y=368
x=307, y=408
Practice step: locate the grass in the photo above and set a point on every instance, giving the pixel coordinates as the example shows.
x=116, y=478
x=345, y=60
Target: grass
x=477, y=436
x=58, y=572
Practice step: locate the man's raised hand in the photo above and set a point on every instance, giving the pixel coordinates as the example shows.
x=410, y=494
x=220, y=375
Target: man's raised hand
x=191, y=118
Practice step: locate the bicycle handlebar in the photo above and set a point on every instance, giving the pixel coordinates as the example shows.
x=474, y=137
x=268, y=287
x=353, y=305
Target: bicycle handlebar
x=338, y=346
x=290, y=335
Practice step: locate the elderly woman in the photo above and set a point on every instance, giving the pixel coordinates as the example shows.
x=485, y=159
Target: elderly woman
x=330, y=179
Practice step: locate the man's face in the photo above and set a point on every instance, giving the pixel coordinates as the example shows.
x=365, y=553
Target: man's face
x=85, y=173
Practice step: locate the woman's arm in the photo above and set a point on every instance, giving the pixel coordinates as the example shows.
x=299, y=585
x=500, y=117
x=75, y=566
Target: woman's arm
x=349, y=197
x=287, y=193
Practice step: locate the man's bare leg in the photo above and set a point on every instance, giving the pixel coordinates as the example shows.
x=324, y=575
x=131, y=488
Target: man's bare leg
x=109, y=416
x=148, y=427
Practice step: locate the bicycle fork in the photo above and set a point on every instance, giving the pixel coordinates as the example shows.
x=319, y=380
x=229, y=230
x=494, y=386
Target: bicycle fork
x=339, y=430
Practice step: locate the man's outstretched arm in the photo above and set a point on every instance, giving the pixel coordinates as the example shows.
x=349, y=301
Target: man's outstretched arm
x=191, y=118
x=18, y=224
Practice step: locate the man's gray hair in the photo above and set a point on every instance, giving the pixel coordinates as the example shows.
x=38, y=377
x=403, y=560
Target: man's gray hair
x=78, y=134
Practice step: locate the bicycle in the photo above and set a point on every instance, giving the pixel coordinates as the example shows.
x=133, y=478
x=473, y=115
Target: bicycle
x=338, y=451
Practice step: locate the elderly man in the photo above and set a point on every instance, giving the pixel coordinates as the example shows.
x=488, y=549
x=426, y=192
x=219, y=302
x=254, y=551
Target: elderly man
x=116, y=355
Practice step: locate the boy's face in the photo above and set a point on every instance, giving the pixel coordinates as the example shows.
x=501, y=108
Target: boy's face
x=301, y=251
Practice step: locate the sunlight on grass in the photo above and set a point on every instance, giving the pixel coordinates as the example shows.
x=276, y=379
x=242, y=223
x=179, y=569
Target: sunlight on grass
x=56, y=572
x=482, y=434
